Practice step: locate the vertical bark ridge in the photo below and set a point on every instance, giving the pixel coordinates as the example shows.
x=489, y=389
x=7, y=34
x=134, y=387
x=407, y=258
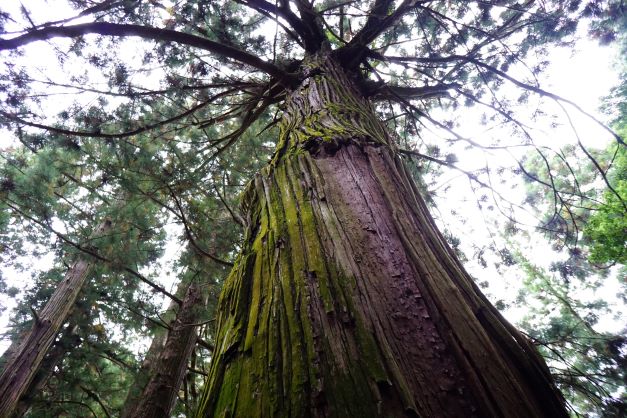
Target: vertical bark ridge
x=346, y=300
x=519, y=352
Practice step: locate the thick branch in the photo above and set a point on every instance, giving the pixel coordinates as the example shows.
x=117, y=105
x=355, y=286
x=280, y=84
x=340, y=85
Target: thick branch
x=379, y=20
x=294, y=21
x=386, y=92
x=146, y=32
x=313, y=23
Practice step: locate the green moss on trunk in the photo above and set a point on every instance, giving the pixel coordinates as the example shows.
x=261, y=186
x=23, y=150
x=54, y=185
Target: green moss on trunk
x=346, y=300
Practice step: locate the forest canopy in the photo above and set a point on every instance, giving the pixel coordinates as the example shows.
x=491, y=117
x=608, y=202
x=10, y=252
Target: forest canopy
x=150, y=144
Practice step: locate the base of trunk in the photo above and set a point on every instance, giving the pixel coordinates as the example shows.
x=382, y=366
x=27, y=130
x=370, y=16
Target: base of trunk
x=346, y=301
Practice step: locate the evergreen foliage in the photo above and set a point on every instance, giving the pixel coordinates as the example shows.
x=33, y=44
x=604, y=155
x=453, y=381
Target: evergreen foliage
x=163, y=133
x=607, y=227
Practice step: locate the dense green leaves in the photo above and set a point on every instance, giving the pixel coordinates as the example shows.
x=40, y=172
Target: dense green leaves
x=589, y=366
x=607, y=226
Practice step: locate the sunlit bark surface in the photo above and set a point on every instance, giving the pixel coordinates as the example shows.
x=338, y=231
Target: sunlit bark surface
x=346, y=301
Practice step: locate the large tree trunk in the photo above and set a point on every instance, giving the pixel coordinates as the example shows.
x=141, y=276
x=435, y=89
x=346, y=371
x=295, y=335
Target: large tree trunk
x=25, y=360
x=346, y=301
x=168, y=370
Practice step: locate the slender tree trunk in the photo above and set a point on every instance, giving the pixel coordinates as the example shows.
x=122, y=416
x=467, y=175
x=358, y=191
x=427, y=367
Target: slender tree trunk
x=142, y=376
x=26, y=359
x=65, y=343
x=346, y=300
x=161, y=391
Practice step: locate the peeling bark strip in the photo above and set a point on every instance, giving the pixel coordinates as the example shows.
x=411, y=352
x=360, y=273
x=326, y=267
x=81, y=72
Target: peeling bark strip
x=24, y=363
x=346, y=301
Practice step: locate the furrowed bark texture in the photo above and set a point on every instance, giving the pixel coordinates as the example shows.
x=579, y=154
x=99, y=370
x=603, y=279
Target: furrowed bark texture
x=142, y=377
x=67, y=341
x=160, y=393
x=346, y=301
x=25, y=361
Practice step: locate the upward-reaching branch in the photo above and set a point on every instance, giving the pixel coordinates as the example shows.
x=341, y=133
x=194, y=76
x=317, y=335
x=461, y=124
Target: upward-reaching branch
x=309, y=38
x=313, y=23
x=379, y=20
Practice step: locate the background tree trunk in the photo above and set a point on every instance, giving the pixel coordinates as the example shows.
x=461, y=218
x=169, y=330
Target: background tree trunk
x=142, y=376
x=25, y=360
x=346, y=300
x=168, y=370
x=67, y=341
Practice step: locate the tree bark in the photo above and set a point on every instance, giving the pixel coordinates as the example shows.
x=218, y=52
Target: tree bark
x=142, y=376
x=67, y=341
x=25, y=361
x=160, y=393
x=346, y=301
